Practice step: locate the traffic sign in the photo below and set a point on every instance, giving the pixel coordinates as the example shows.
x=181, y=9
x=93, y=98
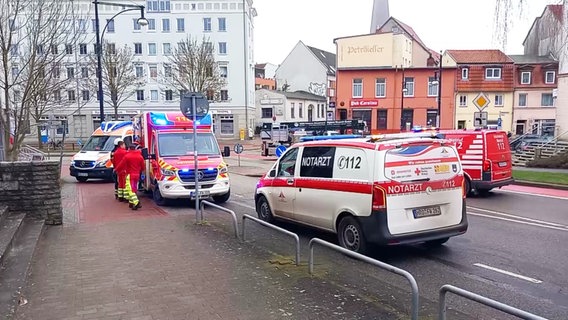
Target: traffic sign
x=238, y=148
x=280, y=150
x=332, y=104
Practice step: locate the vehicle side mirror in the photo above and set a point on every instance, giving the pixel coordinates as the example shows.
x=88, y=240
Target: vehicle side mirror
x=226, y=151
x=272, y=173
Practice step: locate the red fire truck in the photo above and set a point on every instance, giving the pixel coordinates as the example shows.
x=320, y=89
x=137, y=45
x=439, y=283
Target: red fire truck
x=170, y=173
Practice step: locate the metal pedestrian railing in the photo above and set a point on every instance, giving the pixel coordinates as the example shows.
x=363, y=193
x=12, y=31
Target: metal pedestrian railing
x=231, y=212
x=269, y=225
x=483, y=300
x=382, y=265
x=29, y=153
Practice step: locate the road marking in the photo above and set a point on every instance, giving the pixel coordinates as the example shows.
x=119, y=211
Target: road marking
x=517, y=221
x=518, y=217
x=532, y=194
x=509, y=273
x=244, y=205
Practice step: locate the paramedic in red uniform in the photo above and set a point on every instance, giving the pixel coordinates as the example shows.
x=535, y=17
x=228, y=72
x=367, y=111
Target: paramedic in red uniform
x=133, y=164
x=117, y=156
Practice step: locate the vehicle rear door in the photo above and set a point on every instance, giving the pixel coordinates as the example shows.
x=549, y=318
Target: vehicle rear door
x=497, y=157
x=423, y=187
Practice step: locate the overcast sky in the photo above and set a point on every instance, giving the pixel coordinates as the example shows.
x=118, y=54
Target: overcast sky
x=442, y=24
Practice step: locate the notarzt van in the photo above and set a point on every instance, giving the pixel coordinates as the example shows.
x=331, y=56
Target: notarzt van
x=387, y=191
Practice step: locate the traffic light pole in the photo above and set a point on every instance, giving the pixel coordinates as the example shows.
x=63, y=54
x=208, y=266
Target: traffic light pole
x=198, y=214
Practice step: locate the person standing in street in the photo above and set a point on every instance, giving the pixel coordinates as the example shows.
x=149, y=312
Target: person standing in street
x=116, y=157
x=133, y=164
x=112, y=159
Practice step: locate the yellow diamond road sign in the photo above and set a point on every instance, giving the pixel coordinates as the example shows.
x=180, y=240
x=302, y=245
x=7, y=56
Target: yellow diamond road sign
x=481, y=101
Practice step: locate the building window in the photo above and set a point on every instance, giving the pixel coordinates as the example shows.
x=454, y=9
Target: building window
x=382, y=119
x=222, y=48
x=493, y=73
x=85, y=94
x=550, y=77
x=546, y=100
x=70, y=72
x=409, y=86
x=498, y=100
x=151, y=24
x=39, y=49
x=292, y=110
x=68, y=49
x=207, y=24
x=110, y=26
x=57, y=95
x=83, y=48
x=151, y=49
x=140, y=95
x=223, y=70
x=153, y=70
x=84, y=72
x=432, y=87
x=381, y=88
x=71, y=95
x=167, y=71
x=522, y=99
x=222, y=24
x=54, y=49
x=139, y=71
x=463, y=101
x=300, y=110
x=136, y=25
x=357, y=88
x=180, y=24
x=165, y=25
x=137, y=48
x=227, y=126
x=266, y=113
x=465, y=73
x=111, y=48
x=431, y=116
x=154, y=95
x=526, y=77
x=167, y=48
x=224, y=95
x=158, y=5
x=169, y=95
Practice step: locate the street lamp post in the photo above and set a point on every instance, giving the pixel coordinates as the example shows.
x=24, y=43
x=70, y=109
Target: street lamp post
x=403, y=92
x=439, y=115
x=99, y=37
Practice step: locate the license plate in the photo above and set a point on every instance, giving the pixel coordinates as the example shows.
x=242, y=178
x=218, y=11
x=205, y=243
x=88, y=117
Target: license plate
x=82, y=174
x=426, y=212
x=503, y=164
x=202, y=194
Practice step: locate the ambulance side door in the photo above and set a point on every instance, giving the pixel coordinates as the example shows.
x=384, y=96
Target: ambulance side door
x=154, y=167
x=283, y=187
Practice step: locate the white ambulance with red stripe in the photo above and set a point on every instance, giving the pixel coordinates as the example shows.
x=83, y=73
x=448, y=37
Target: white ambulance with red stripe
x=384, y=191
x=485, y=156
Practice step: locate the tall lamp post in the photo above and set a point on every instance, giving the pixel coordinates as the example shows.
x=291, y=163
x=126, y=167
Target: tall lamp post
x=438, y=81
x=403, y=93
x=141, y=21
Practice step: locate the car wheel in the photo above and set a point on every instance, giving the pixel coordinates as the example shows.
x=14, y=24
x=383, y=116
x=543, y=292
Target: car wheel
x=222, y=198
x=263, y=210
x=437, y=242
x=157, y=196
x=81, y=179
x=467, y=187
x=350, y=235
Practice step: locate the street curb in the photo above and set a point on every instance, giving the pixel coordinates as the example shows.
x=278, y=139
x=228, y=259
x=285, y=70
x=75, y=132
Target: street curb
x=540, y=184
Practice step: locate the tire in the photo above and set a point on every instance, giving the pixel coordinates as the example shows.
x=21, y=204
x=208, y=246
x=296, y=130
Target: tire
x=157, y=196
x=263, y=210
x=81, y=179
x=222, y=198
x=350, y=235
x=467, y=187
x=437, y=242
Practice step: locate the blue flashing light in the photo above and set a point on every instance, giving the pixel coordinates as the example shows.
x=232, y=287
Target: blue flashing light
x=114, y=125
x=160, y=119
x=335, y=137
x=184, y=170
x=205, y=121
x=210, y=169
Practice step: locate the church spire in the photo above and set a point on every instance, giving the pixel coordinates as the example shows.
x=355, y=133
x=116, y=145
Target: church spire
x=380, y=14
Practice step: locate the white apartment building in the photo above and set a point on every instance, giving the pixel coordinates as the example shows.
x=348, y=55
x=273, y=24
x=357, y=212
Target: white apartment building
x=229, y=27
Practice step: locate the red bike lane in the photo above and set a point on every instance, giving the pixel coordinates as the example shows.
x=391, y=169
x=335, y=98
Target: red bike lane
x=538, y=191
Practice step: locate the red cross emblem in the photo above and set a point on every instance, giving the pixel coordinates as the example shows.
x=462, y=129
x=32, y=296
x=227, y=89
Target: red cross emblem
x=417, y=171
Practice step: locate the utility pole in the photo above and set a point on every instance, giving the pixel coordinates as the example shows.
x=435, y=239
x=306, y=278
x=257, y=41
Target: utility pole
x=245, y=47
x=439, y=116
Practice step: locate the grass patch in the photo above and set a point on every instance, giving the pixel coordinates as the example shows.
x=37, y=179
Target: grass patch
x=545, y=177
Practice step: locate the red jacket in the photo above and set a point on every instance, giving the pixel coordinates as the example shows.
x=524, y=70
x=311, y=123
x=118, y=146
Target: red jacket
x=133, y=163
x=117, y=157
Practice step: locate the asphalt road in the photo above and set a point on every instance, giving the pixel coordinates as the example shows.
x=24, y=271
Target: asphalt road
x=514, y=251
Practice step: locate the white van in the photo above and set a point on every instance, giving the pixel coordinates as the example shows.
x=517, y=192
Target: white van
x=386, y=191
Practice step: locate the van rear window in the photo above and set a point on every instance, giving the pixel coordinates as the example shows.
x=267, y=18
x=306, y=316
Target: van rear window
x=425, y=162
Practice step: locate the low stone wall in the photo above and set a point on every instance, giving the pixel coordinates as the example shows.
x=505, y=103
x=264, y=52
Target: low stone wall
x=32, y=188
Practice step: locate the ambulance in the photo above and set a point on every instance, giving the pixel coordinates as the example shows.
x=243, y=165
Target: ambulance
x=93, y=160
x=166, y=139
x=387, y=190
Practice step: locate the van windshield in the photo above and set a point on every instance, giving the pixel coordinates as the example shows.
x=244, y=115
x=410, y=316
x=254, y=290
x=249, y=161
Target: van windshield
x=100, y=143
x=181, y=144
x=422, y=162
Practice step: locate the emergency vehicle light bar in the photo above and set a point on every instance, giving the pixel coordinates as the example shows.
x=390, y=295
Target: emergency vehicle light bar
x=393, y=136
x=178, y=119
x=114, y=125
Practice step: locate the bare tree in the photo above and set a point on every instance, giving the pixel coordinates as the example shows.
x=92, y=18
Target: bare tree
x=194, y=69
x=33, y=34
x=118, y=75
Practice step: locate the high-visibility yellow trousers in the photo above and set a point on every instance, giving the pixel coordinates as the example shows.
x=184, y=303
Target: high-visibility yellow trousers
x=131, y=189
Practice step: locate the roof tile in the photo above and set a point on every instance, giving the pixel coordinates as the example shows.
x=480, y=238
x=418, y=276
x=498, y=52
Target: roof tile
x=479, y=56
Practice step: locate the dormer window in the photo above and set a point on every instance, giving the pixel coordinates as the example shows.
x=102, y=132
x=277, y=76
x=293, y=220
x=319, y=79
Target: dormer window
x=526, y=77
x=465, y=73
x=550, y=77
x=493, y=73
